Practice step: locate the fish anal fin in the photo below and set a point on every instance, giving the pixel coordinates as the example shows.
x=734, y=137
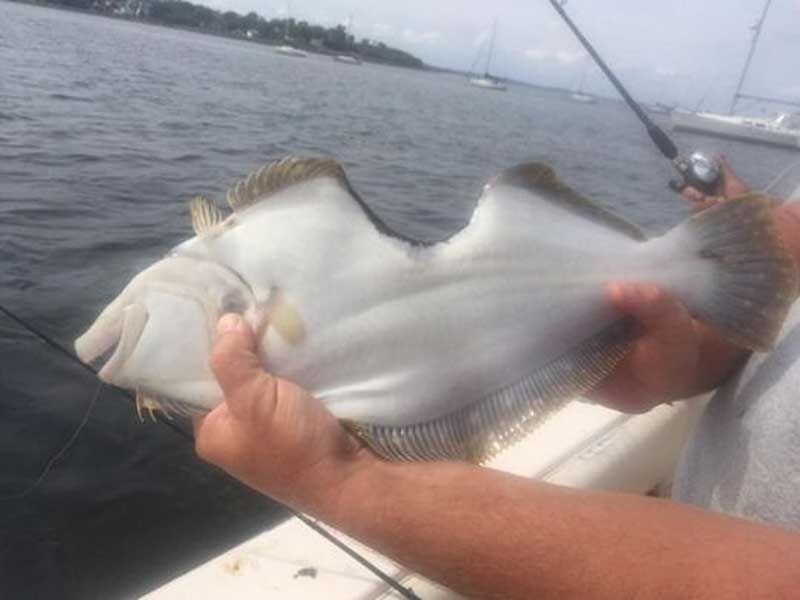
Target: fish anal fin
x=279, y=175
x=542, y=180
x=204, y=215
x=150, y=404
x=478, y=432
x=145, y=403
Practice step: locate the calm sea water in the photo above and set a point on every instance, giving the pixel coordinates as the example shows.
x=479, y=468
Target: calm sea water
x=107, y=128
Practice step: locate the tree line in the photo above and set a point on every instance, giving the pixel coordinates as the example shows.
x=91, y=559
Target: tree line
x=180, y=13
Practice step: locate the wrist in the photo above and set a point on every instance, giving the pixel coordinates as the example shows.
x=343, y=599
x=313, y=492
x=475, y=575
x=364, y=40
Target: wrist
x=324, y=488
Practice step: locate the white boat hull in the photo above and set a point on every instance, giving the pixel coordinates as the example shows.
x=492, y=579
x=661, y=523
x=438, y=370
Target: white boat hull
x=291, y=51
x=346, y=59
x=583, y=98
x=760, y=131
x=487, y=84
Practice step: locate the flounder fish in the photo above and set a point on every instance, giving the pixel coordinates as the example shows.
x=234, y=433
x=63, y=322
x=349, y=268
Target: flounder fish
x=452, y=350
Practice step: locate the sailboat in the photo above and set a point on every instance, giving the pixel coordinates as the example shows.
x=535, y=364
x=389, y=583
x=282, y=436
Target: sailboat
x=488, y=81
x=579, y=95
x=783, y=130
x=287, y=49
x=348, y=59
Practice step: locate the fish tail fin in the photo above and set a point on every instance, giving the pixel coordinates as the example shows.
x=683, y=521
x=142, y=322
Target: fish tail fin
x=754, y=280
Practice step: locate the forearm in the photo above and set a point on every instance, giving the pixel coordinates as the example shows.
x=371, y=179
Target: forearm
x=492, y=535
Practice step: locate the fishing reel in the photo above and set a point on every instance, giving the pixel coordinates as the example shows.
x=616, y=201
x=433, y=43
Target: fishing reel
x=699, y=172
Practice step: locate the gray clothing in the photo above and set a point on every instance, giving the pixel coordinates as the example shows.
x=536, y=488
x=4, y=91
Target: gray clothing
x=744, y=457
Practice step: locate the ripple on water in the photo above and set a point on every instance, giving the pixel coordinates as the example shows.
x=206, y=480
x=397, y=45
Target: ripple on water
x=69, y=97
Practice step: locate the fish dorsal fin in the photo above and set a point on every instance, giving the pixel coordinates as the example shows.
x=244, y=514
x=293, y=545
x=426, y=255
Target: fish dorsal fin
x=279, y=175
x=542, y=180
x=204, y=215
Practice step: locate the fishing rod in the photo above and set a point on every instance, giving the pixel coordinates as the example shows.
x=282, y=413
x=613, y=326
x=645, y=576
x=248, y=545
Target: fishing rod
x=698, y=170
x=405, y=592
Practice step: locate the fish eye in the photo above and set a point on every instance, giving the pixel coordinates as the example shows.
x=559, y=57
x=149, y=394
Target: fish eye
x=233, y=302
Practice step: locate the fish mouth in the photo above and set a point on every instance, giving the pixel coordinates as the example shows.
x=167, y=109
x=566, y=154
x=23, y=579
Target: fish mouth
x=110, y=342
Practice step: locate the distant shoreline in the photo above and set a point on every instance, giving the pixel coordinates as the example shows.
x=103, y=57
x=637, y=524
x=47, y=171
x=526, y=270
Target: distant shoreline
x=310, y=50
x=219, y=34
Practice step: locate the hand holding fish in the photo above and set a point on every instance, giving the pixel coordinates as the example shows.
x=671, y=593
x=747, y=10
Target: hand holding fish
x=663, y=360
x=270, y=433
x=674, y=357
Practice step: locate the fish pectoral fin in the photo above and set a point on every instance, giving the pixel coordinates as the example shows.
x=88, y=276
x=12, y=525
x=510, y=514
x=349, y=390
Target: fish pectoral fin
x=284, y=318
x=204, y=215
x=479, y=431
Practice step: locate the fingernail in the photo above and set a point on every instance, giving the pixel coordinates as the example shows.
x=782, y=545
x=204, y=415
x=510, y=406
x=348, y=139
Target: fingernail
x=228, y=323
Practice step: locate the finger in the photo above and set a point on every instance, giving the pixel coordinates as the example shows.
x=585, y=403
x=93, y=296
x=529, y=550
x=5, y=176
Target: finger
x=731, y=184
x=699, y=201
x=693, y=195
x=645, y=302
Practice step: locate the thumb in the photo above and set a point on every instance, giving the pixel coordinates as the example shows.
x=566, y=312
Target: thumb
x=234, y=359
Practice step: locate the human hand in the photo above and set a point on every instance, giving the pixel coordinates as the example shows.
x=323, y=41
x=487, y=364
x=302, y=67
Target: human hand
x=661, y=365
x=729, y=186
x=269, y=433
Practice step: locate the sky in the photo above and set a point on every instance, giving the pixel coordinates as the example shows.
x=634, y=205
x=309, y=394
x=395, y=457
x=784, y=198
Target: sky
x=675, y=51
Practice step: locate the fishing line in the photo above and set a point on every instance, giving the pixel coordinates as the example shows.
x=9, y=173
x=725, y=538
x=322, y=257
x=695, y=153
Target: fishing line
x=781, y=179
x=61, y=349
x=698, y=170
x=58, y=455
x=405, y=592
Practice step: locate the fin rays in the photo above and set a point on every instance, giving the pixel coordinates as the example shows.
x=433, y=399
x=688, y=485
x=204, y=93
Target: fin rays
x=150, y=405
x=204, y=215
x=478, y=432
x=279, y=175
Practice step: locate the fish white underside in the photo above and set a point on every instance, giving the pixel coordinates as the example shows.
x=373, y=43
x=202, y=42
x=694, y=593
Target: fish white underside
x=449, y=351
x=397, y=334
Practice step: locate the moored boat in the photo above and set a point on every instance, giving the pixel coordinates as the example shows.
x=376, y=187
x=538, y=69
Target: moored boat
x=347, y=59
x=783, y=130
x=487, y=81
x=287, y=50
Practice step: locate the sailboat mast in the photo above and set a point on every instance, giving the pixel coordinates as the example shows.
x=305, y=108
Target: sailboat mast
x=757, y=35
x=491, y=46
